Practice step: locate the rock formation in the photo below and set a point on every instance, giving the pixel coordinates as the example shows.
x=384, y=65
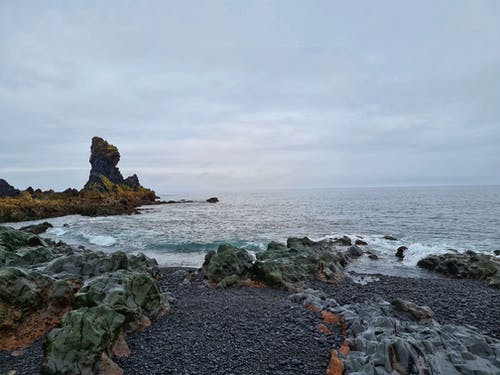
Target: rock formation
x=105, y=193
x=104, y=174
x=86, y=300
x=7, y=190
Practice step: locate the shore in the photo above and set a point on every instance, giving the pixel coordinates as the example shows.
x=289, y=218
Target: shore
x=245, y=330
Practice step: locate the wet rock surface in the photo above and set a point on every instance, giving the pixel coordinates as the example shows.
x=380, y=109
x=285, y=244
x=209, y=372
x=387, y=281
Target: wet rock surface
x=468, y=265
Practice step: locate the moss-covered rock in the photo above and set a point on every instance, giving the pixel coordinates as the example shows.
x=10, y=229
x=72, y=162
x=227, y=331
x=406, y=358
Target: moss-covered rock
x=228, y=263
x=134, y=295
x=468, y=265
x=299, y=261
x=89, y=264
x=78, y=345
x=284, y=266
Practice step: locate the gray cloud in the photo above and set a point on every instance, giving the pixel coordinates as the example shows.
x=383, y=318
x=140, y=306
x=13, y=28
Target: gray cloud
x=213, y=95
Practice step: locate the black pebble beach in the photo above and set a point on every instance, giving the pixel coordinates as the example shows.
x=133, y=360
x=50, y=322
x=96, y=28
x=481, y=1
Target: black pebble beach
x=259, y=331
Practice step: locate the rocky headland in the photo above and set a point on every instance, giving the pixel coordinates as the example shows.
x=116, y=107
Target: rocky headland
x=292, y=309
x=106, y=192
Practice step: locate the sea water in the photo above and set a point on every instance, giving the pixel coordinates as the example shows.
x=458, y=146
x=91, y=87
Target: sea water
x=427, y=220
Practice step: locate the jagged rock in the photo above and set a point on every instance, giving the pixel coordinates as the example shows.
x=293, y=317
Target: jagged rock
x=7, y=190
x=84, y=337
x=400, y=252
x=390, y=238
x=468, y=265
x=382, y=342
x=229, y=265
x=37, y=228
x=104, y=174
x=213, y=200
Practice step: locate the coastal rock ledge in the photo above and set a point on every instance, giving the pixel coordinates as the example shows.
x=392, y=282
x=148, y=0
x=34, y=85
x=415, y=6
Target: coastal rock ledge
x=81, y=302
x=105, y=193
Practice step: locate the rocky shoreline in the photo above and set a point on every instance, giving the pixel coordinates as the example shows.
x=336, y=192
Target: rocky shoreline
x=292, y=310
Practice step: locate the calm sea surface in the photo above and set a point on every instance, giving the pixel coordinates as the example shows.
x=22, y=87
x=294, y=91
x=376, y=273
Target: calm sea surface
x=426, y=220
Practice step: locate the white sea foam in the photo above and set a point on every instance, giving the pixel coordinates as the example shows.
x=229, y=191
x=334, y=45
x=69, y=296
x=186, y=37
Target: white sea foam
x=101, y=240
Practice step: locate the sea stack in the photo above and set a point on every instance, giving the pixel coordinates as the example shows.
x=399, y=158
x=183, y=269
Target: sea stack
x=104, y=173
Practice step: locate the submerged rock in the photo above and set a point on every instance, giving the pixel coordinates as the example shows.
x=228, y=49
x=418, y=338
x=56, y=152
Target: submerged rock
x=37, y=228
x=213, y=200
x=390, y=238
x=360, y=242
x=468, y=265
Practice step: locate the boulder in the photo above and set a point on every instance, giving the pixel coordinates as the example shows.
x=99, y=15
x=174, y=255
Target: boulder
x=496, y=252
x=301, y=260
x=135, y=295
x=228, y=263
x=390, y=238
x=85, y=337
x=422, y=314
x=37, y=228
x=7, y=190
x=359, y=242
x=213, y=200
x=468, y=265
x=400, y=252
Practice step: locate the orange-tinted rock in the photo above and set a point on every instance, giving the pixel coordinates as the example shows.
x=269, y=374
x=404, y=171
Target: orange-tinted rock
x=335, y=365
x=323, y=329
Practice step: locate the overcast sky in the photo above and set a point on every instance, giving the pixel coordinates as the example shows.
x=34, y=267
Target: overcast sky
x=252, y=94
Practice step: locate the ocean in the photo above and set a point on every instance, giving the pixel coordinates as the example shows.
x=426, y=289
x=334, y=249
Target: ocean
x=428, y=220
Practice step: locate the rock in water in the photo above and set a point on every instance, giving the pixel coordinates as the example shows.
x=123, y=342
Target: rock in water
x=104, y=174
x=388, y=237
x=400, y=252
x=7, y=190
x=37, y=228
x=213, y=200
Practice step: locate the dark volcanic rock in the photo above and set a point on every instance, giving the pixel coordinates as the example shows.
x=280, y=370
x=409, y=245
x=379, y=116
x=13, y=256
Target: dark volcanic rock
x=213, y=200
x=469, y=265
x=7, y=190
x=354, y=251
x=344, y=241
x=390, y=238
x=104, y=174
x=400, y=252
x=37, y=228
x=381, y=342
